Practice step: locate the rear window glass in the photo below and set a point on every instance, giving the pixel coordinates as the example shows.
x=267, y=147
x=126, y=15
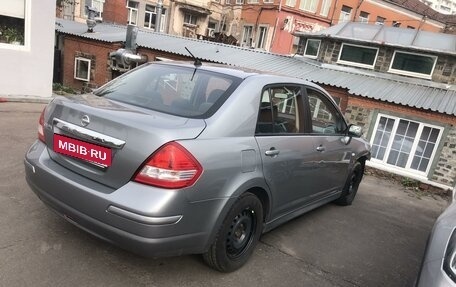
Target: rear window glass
x=182, y=91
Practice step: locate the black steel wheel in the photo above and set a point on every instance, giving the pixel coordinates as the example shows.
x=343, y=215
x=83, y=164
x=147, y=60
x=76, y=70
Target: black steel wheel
x=351, y=187
x=238, y=235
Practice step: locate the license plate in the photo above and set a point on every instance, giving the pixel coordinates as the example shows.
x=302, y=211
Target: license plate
x=82, y=150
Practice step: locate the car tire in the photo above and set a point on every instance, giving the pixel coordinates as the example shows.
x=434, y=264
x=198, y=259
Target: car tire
x=238, y=235
x=351, y=186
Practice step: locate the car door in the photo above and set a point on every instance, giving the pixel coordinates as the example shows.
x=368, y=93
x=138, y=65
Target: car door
x=288, y=154
x=332, y=144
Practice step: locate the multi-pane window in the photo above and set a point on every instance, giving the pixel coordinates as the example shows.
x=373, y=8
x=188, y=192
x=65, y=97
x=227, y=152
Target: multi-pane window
x=268, y=1
x=190, y=19
x=261, y=40
x=412, y=64
x=312, y=48
x=239, y=2
x=252, y=1
x=358, y=55
x=308, y=5
x=345, y=14
x=404, y=143
x=247, y=36
x=132, y=8
x=290, y=3
x=150, y=17
x=380, y=20
x=97, y=4
x=363, y=17
x=325, y=5
x=82, y=69
x=12, y=22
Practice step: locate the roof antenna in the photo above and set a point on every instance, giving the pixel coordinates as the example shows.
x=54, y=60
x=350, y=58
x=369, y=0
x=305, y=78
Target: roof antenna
x=197, y=62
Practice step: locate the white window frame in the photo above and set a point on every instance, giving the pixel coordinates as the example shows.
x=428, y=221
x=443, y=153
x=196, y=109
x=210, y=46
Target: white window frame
x=27, y=28
x=308, y=5
x=318, y=50
x=99, y=6
x=325, y=6
x=407, y=170
x=239, y=2
x=162, y=20
x=265, y=37
x=130, y=13
x=252, y=1
x=356, y=64
x=413, y=74
x=247, y=42
x=290, y=3
x=268, y=1
x=191, y=17
x=363, y=19
x=344, y=16
x=82, y=59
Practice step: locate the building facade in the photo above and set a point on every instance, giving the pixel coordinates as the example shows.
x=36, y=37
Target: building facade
x=26, y=47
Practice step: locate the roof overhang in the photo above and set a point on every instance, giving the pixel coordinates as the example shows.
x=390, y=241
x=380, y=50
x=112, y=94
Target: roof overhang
x=195, y=9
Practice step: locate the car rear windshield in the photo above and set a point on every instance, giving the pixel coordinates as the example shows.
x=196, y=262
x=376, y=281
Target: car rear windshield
x=182, y=91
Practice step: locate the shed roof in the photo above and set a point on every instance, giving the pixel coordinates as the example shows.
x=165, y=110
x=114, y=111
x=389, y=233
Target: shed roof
x=392, y=36
x=396, y=89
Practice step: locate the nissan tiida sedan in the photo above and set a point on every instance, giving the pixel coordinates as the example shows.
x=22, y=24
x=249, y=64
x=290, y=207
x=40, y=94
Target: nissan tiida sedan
x=180, y=158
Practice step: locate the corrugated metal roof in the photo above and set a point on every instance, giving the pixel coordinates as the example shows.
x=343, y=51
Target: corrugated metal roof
x=391, y=88
x=392, y=36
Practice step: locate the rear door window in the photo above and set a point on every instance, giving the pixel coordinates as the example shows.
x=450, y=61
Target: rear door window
x=182, y=91
x=280, y=110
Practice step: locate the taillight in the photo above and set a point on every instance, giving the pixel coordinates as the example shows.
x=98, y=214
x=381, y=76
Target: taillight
x=41, y=126
x=171, y=166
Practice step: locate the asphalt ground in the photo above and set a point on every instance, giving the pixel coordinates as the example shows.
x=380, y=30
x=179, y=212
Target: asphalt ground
x=378, y=241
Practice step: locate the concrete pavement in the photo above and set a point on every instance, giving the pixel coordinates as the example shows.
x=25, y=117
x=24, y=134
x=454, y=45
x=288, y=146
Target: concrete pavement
x=378, y=241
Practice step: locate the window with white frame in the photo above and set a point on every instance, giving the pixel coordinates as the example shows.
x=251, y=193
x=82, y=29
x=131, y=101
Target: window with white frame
x=132, y=7
x=308, y=5
x=97, y=4
x=252, y=1
x=190, y=19
x=239, y=2
x=227, y=2
x=404, y=143
x=412, y=64
x=150, y=17
x=247, y=36
x=360, y=56
x=345, y=14
x=325, y=5
x=262, y=34
x=268, y=1
x=363, y=17
x=380, y=20
x=82, y=69
x=312, y=48
x=290, y=3
x=12, y=22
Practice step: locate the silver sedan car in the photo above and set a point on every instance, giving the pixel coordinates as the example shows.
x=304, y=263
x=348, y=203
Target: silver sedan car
x=438, y=268
x=180, y=158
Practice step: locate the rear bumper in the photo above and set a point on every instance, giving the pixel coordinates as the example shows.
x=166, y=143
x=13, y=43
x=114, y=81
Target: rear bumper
x=147, y=221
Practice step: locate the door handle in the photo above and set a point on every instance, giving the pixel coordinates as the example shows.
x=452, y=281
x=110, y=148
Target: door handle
x=320, y=148
x=272, y=152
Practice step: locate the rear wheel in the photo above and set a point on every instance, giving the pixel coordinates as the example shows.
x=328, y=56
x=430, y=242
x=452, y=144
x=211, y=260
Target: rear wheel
x=237, y=236
x=351, y=187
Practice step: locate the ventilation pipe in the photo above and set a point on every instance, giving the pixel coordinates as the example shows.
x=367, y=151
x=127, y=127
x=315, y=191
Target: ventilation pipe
x=91, y=22
x=126, y=58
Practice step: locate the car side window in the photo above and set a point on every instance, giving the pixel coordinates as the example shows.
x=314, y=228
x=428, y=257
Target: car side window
x=325, y=117
x=280, y=110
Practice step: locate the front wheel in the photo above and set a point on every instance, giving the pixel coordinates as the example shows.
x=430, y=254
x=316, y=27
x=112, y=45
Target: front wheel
x=237, y=236
x=351, y=187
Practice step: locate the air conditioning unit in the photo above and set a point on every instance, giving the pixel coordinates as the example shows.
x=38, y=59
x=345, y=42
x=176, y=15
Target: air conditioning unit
x=210, y=32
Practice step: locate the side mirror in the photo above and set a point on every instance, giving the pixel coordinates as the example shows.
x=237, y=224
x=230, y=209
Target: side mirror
x=355, y=131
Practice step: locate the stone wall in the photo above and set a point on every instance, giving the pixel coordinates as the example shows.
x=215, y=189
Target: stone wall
x=445, y=170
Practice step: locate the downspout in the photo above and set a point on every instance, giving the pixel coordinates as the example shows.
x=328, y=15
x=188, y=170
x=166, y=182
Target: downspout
x=356, y=10
x=276, y=24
